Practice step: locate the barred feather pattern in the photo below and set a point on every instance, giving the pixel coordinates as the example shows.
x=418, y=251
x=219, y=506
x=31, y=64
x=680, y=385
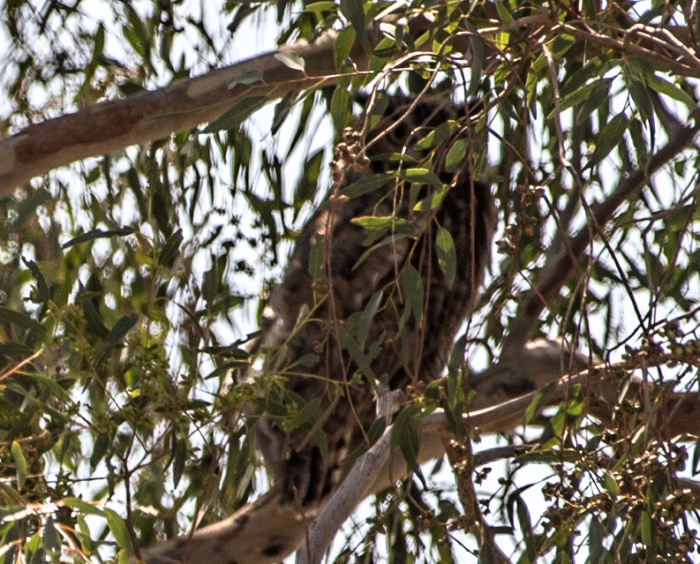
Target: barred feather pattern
x=310, y=326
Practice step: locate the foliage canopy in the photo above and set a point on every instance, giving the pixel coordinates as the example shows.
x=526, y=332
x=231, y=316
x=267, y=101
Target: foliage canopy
x=132, y=282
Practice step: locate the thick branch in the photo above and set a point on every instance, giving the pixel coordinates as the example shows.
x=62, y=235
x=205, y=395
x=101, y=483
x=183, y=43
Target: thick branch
x=148, y=116
x=266, y=531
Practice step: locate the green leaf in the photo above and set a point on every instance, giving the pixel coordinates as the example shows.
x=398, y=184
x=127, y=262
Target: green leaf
x=582, y=94
x=363, y=361
x=83, y=534
x=282, y=109
x=322, y=6
x=97, y=234
x=422, y=175
x=607, y=139
x=308, y=360
x=366, y=318
x=561, y=44
x=404, y=434
x=596, y=549
x=354, y=11
x=340, y=108
x=20, y=464
x=308, y=184
x=170, y=249
x=92, y=315
x=610, y=485
x=476, y=45
x=118, y=528
x=343, y=45
x=433, y=200
x=99, y=449
x=21, y=320
x=456, y=154
x=504, y=12
x=669, y=89
x=41, y=286
x=179, y=460
x=121, y=328
x=373, y=435
x=413, y=287
x=390, y=240
x=316, y=259
x=51, y=539
x=124, y=556
x=641, y=98
x=99, y=41
x=82, y=506
x=441, y=133
x=526, y=527
x=647, y=529
x=373, y=223
x=365, y=185
x=51, y=385
x=539, y=402
x=447, y=254
x=16, y=350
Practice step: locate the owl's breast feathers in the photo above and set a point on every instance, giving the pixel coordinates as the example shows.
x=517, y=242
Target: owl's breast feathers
x=344, y=317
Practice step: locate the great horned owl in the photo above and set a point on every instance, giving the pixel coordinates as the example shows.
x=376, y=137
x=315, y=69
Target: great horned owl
x=344, y=318
x=355, y=308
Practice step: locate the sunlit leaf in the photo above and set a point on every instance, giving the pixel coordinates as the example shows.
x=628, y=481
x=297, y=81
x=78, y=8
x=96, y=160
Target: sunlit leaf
x=118, y=529
x=456, y=154
x=291, y=60
x=441, y=133
x=20, y=464
x=417, y=175
x=399, y=224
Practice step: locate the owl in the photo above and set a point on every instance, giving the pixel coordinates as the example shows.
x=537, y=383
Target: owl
x=382, y=277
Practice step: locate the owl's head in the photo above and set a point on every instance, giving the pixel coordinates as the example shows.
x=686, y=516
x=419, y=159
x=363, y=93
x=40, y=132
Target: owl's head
x=399, y=126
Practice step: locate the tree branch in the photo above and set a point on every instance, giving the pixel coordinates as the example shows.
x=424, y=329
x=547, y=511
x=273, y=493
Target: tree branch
x=266, y=531
x=560, y=268
x=110, y=126
x=539, y=364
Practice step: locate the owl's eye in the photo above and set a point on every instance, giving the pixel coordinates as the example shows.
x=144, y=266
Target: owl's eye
x=399, y=135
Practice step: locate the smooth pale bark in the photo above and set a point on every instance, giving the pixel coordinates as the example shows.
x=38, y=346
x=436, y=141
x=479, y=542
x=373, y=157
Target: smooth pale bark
x=147, y=116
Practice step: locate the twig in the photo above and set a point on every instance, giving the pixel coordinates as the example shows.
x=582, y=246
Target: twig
x=557, y=271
